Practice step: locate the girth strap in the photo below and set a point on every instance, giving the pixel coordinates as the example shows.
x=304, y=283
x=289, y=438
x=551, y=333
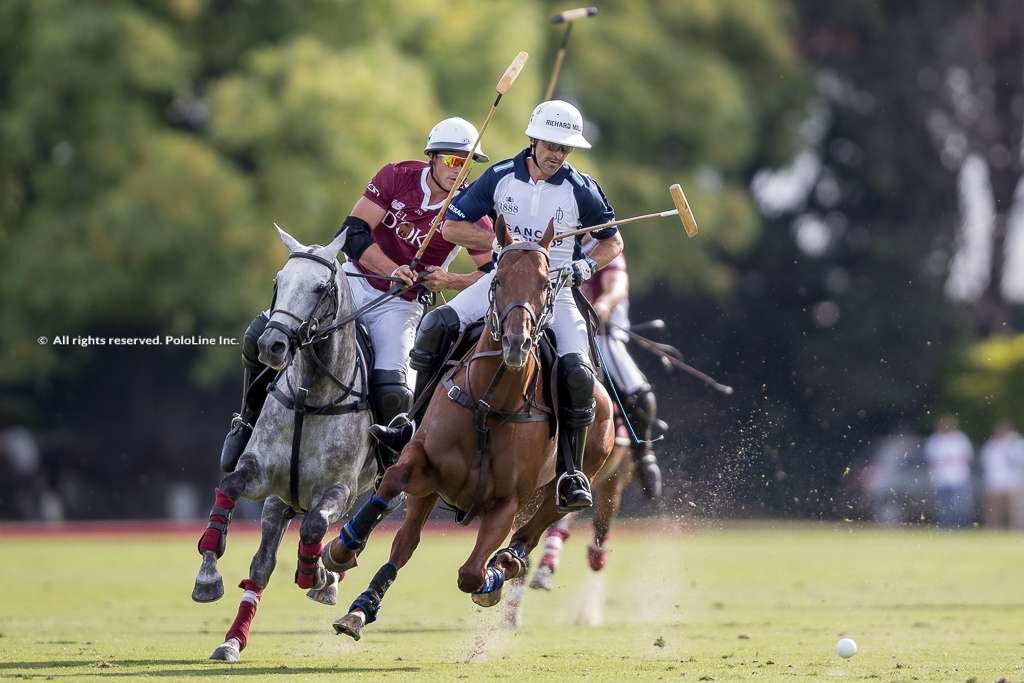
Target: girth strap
x=333, y=408
x=300, y=414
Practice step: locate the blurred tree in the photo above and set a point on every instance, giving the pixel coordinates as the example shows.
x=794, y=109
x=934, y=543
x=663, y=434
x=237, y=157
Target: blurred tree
x=987, y=382
x=842, y=328
x=149, y=146
x=701, y=93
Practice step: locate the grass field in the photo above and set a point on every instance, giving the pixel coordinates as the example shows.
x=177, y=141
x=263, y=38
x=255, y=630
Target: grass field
x=763, y=602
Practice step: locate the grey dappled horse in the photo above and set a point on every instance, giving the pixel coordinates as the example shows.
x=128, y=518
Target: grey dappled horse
x=326, y=381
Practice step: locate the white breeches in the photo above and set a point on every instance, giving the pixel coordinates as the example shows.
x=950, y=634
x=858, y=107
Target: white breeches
x=392, y=325
x=620, y=365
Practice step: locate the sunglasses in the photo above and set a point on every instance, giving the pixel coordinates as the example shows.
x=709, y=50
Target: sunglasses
x=552, y=147
x=452, y=161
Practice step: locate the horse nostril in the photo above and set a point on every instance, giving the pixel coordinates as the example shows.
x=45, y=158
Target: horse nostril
x=527, y=345
x=278, y=348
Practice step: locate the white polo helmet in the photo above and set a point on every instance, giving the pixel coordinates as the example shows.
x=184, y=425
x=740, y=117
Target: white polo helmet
x=454, y=135
x=558, y=122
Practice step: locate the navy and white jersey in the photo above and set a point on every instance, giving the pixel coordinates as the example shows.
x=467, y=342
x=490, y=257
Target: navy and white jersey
x=572, y=198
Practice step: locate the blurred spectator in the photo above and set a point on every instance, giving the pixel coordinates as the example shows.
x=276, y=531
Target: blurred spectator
x=949, y=454
x=1002, y=475
x=24, y=494
x=896, y=480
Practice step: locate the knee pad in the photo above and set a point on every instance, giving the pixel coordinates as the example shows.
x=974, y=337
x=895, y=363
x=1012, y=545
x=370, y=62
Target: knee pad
x=437, y=332
x=577, y=380
x=250, y=349
x=389, y=394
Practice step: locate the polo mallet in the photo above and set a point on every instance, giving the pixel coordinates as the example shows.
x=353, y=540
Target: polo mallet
x=504, y=83
x=567, y=17
x=682, y=210
x=671, y=357
x=656, y=324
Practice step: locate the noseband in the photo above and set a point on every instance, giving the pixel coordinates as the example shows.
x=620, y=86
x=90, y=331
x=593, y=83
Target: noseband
x=498, y=320
x=308, y=326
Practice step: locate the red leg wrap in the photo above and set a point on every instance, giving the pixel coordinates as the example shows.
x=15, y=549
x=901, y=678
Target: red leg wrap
x=305, y=575
x=212, y=539
x=246, y=611
x=553, y=546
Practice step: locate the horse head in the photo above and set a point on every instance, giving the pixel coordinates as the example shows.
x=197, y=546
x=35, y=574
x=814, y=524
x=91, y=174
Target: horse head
x=520, y=293
x=308, y=295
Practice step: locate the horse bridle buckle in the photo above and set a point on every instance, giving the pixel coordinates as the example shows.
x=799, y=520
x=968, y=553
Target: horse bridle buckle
x=453, y=392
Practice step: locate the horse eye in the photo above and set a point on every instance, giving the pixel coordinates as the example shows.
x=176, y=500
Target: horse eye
x=320, y=287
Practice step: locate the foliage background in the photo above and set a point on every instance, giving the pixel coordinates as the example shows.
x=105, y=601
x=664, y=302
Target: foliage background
x=148, y=146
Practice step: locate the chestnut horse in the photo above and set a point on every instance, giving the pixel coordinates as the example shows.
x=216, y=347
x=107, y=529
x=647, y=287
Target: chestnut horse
x=484, y=445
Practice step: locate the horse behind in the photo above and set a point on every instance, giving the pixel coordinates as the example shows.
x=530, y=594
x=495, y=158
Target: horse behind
x=484, y=446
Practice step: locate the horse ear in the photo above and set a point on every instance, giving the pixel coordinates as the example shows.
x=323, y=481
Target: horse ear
x=293, y=244
x=549, y=234
x=501, y=231
x=337, y=244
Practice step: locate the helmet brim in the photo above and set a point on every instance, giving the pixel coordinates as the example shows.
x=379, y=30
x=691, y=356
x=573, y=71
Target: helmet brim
x=441, y=148
x=575, y=140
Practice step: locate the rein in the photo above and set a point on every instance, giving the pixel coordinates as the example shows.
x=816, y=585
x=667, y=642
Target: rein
x=306, y=336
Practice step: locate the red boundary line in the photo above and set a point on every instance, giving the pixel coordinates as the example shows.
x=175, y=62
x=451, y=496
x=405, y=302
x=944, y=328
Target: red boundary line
x=165, y=527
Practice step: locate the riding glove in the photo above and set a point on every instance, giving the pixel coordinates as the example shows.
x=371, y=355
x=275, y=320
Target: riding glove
x=582, y=270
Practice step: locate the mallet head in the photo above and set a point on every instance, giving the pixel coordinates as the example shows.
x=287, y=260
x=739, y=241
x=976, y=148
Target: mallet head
x=683, y=207
x=571, y=15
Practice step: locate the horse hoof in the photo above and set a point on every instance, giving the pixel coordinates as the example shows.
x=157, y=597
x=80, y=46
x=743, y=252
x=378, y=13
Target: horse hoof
x=487, y=599
x=543, y=578
x=338, y=567
x=226, y=652
x=597, y=557
x=328, y=593
x=350, y=625
x=510, y=564
x=209, y=584
x=208, y=592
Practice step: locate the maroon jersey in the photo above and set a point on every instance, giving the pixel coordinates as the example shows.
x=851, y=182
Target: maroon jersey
x=401, y=190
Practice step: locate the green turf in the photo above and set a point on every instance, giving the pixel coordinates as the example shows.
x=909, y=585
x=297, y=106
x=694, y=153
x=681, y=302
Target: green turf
x=766, y=602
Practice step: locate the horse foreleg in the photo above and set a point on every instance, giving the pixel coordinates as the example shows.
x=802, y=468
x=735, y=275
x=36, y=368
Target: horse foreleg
x=364, y=608
x=341, y=553
x=273, y=523
x=322, y=583
x=600, y=441
x=212, y=544
x=485, y=582
x=607, y=502
x=554, y=539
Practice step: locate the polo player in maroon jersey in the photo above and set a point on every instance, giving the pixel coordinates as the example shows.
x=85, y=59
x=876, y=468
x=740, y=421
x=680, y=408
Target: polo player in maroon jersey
x=385, y=229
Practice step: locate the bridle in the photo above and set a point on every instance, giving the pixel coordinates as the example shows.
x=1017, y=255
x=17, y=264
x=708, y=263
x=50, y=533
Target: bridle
x=498, y=319
x=309, y=326
x=305, y=335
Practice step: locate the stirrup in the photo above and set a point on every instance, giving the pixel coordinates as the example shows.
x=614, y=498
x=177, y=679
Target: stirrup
x=237, y=421
x=401, y=420
x=584, y=494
